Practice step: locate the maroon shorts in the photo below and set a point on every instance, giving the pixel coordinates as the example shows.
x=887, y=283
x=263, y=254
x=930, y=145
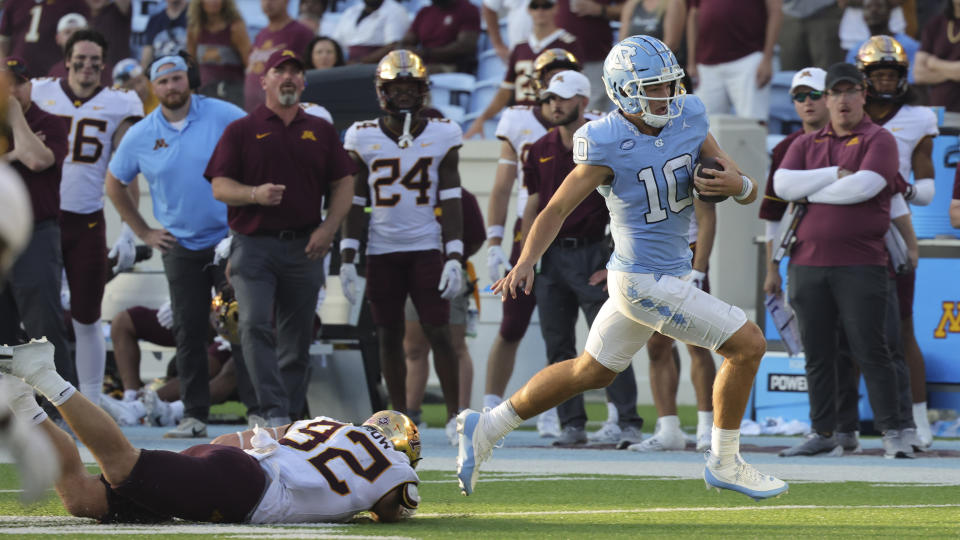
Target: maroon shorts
x=906, y=283
x=392, y=276
x=516, y=311
x=207, y=482
x=147, y=328
x=83, y=239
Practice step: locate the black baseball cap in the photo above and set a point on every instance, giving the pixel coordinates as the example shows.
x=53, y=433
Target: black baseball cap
x=842, y=71
x=16, y=65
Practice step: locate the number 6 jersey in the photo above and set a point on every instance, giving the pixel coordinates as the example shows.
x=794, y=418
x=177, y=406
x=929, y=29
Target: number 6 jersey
x=91, y=124
x=325, y=470
x=403, y=182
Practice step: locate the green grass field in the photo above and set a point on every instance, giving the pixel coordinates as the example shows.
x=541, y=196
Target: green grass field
x=568, y=506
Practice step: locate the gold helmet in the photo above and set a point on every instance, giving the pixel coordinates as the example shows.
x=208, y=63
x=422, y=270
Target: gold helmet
x=401, y=65
x=548, y=61
x=883, y=52
x=225, y=318
x=400, y=430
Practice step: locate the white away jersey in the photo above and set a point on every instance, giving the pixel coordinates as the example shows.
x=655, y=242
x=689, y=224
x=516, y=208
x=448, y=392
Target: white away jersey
x=403, y=182
x=317, y=110
x=92, y=124
x=326, y=470
x=909, y=126
x=521, y=126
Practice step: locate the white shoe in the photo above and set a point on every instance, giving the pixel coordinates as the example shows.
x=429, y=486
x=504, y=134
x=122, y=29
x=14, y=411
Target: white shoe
x=704, y=438
x=188, y=428
x=548, y=424
x=158, y=412
x=923, y=430
x=28, y=361
x=125, y=413
x=661, y=441
x=607, y=434
x=738, y=475
x=451, y=431
x=474, y=448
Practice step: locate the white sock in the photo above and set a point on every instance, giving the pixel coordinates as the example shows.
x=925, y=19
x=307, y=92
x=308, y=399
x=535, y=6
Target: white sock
x=129, y=395
x=920, y=413
x=91, y=358
x=704, y=421
x=671, y=423
x=503, y=420
x=613, y=417
x=725, y=443
x=25, y=406
x=491, y=400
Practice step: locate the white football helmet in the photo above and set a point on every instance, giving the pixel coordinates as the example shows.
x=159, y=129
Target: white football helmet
x=640, y=61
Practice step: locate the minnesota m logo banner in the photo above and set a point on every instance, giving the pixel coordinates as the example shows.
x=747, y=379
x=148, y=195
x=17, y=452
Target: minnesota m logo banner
x=950, y=317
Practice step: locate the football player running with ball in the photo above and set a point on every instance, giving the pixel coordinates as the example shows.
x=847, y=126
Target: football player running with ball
x=641, y=159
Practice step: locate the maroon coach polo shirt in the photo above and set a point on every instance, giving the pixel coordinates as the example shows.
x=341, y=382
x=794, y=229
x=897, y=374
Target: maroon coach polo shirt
x=852, y=234
x=44, y=186
x=548, y=163
x=304, y=156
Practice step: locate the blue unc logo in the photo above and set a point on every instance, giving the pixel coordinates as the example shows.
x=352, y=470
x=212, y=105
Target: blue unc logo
x=627, y=144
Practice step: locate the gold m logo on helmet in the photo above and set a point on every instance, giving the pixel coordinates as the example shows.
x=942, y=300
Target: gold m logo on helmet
x=949, y=321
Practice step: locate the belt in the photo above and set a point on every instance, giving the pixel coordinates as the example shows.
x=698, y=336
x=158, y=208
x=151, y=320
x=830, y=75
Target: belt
x=573, y=242
x=287, y=234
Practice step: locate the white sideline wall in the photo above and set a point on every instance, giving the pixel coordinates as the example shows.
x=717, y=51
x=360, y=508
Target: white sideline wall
x=744, y=140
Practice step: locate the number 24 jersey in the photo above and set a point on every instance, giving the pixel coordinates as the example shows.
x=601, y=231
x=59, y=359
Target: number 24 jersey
x=326, y=470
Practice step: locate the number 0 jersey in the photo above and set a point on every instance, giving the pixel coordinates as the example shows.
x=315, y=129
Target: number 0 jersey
x=325, y=470
x=92, y=123
x=403, y=182
x=651, y=196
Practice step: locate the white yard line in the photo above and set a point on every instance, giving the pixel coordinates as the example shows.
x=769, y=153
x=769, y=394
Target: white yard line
x=693, y=509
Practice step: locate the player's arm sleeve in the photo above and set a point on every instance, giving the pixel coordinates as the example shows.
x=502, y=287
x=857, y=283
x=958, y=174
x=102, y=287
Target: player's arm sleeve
x=852, y=189
x=793, y=185
x=586, y=151
x=898, y=206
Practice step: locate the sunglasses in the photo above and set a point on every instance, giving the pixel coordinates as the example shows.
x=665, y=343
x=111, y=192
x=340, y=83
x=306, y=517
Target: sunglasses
x=800, y=97
x=545, y=5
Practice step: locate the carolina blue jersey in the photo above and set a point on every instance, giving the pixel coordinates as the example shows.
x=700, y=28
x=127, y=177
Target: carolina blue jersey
x=651, y=196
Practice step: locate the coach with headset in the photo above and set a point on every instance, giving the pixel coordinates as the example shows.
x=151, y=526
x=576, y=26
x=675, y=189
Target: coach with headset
x=171, y=147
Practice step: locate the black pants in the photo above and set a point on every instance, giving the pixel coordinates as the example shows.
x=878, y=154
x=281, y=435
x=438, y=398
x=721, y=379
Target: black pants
x=190, y=275
x=827, y=299
x=562, y=289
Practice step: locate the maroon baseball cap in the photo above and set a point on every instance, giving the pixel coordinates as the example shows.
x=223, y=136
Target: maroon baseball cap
x=18, y=67
x=280, y=56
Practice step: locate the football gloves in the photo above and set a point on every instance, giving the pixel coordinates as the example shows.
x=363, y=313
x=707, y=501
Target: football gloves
x=495, y=259
x=451, y=280
x=124, y=250
x=348, y=281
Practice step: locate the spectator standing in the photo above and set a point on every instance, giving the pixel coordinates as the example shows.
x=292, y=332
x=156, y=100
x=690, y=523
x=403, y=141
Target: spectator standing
x=731, y=54
x=272, y=169
x=517, y=87
x=311, y=14
x=97, y=117
x=323, y=53
x=568, y=265
x=31, y=294
x=519, y=24
x=809, y=35
x=171, y=147
x=416, y=345
x=113, y=18
x=854, y=30
x=589, y=21
x=217, y=38
x=408, y=250
x=128, y=75
x=281, y=32
x=444, y=34
x=27, y=29
x=68, y=25
x=876, y=13
x=370, y=29
x=166, y=32
x=838, y=275
x=938, y=60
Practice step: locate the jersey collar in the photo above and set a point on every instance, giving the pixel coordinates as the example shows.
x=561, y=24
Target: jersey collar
x=76, y=100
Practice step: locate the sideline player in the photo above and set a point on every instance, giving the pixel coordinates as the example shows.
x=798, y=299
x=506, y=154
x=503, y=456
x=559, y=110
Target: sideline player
x=640, y=158
x=889, y=103
x=408, y=167
x=98, y=117
x=243, y=477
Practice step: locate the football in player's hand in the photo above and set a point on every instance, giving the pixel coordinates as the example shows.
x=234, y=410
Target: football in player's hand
x=707, y=162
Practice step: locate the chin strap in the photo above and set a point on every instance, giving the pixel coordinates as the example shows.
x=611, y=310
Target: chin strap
x=406, y=139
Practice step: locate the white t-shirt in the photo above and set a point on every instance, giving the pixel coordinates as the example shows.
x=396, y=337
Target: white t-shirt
x=909, y=126
x=403, y=183
x=519, y=24
x=92, y=124
x=385, y=25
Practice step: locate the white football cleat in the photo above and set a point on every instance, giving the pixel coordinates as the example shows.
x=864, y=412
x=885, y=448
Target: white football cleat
x=738, y=475
x=33, y=453
x=475, y=448
x=125, y=413
x=29, y=360
x=548, y=424
x=158, y=412
x=609, y=433
x=664, y=440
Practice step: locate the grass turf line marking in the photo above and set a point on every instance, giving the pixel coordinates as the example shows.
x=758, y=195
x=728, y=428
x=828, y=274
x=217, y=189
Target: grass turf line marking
x=696, y=509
